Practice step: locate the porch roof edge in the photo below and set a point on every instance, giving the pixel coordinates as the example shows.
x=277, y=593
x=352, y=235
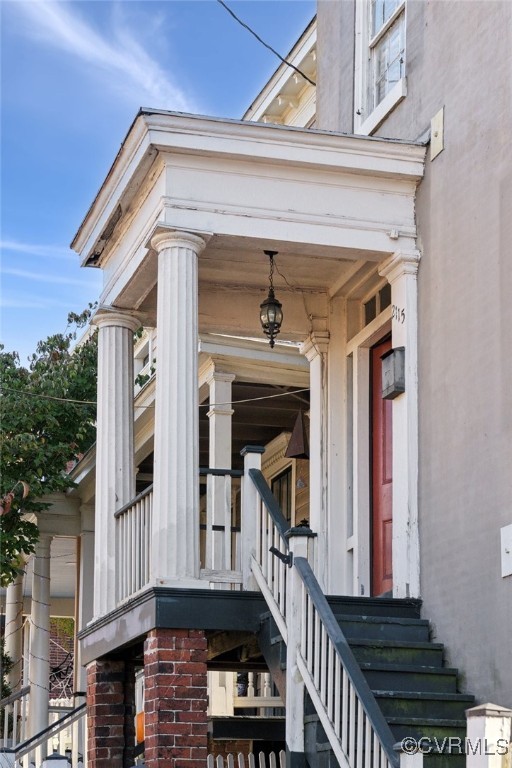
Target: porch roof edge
x=155, y=131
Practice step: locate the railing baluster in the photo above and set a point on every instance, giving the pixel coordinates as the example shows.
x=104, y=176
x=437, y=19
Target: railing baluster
x=344, y=712
x=316, y=651
x=352, y=724
x=330, y=680
x=337, y=696
x=360, y=735
x=368, y=744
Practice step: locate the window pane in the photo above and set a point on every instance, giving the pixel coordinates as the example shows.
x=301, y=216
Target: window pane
x=385, y=296
x=282, y=490
x=388, y=59
x=382, y=10
x=370, y=310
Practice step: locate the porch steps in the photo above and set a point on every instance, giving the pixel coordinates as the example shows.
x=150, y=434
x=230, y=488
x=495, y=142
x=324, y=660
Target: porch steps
x=417, y=694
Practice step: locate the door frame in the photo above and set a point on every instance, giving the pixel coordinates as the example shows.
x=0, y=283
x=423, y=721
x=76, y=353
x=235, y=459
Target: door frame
x=358, y=544
x=386, y=339
x=400, y=270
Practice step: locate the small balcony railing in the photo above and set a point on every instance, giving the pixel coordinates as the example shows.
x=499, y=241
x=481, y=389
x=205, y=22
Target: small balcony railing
x=219, y=535
x=133, y=544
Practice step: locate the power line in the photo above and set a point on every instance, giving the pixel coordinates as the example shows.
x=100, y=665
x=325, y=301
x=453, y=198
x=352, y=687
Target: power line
x=201, y=405
x=269, y=47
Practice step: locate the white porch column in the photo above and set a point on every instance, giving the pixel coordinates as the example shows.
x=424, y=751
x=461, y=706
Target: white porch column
x=315, y=349
x=175, y=534
x=401, y=270
x=115, y=464
x=39, y=658
x=14, y=631
x=218, y=544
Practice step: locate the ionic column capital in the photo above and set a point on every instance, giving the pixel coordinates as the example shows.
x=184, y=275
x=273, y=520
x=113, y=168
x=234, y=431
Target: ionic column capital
x=164, y=238
x=107, y=317
x=400, y=263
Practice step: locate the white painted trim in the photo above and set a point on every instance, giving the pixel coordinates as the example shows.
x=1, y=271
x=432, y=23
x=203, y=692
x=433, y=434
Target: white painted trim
x=371, y=333
x=382, y=110
x=359, y=543
x=283, y=75
x=401, y=271
x=209, y=137
x=364, y=123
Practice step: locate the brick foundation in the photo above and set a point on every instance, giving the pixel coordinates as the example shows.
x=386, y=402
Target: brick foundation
x=175, y=699
x=105, y=714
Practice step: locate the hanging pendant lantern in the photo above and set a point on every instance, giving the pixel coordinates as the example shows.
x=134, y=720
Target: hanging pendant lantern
x=271, y=313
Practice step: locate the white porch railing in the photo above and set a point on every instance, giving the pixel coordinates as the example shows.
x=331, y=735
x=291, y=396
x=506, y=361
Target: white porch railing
x=355, y=726
x=271, y=571
x=251, y=761
x=316, y=646
x=14, y=717
x=133, y=544
x=220, y=535
x=220, y=528
x=258, y=695
x=32, y=751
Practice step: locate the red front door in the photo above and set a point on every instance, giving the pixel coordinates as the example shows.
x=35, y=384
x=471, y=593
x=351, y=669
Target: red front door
x=381, y=476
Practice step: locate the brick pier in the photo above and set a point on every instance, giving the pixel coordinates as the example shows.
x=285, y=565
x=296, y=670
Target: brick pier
x=105, y=714
x=175, y=699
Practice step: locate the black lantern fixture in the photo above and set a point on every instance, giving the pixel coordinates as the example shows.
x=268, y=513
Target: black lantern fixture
x=271, y=313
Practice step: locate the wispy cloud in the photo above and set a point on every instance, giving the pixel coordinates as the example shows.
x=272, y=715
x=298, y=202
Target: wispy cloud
x=118, y=54
x=44, y=277
x=37, y=249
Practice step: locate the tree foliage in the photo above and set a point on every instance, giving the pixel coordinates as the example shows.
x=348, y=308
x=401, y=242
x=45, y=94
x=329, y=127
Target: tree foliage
x=42, y=431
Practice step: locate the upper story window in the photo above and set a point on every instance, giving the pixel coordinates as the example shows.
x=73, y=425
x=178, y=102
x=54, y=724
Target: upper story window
x=387, y=46
x=380, y=61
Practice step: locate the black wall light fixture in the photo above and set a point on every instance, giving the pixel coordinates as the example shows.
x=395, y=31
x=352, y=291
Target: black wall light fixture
x=271, y=312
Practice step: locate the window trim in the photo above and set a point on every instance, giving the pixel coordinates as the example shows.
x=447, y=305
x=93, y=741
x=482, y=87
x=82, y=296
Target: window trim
x=365, y=124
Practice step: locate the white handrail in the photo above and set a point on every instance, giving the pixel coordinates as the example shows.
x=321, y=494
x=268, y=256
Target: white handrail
x=269, y=564
x=355, y=726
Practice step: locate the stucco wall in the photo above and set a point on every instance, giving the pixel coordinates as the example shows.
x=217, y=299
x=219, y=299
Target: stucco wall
x=459, y=55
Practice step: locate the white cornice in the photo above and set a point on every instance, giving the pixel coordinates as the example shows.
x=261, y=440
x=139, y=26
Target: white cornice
x=284, y=75
x=210, y=138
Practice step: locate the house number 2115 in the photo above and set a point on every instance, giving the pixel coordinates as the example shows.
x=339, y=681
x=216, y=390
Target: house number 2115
x=398, y=314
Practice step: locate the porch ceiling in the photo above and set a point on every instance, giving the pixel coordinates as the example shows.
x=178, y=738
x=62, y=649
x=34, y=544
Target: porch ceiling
x=237, y=266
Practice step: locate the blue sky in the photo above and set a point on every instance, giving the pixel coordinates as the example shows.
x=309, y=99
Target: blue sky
x=73, y=75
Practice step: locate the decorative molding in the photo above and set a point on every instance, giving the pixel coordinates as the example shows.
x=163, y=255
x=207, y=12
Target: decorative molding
x=317, y=343
x=106, y=317
x=400, y=263
x=165, y=237
x=275, y=451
